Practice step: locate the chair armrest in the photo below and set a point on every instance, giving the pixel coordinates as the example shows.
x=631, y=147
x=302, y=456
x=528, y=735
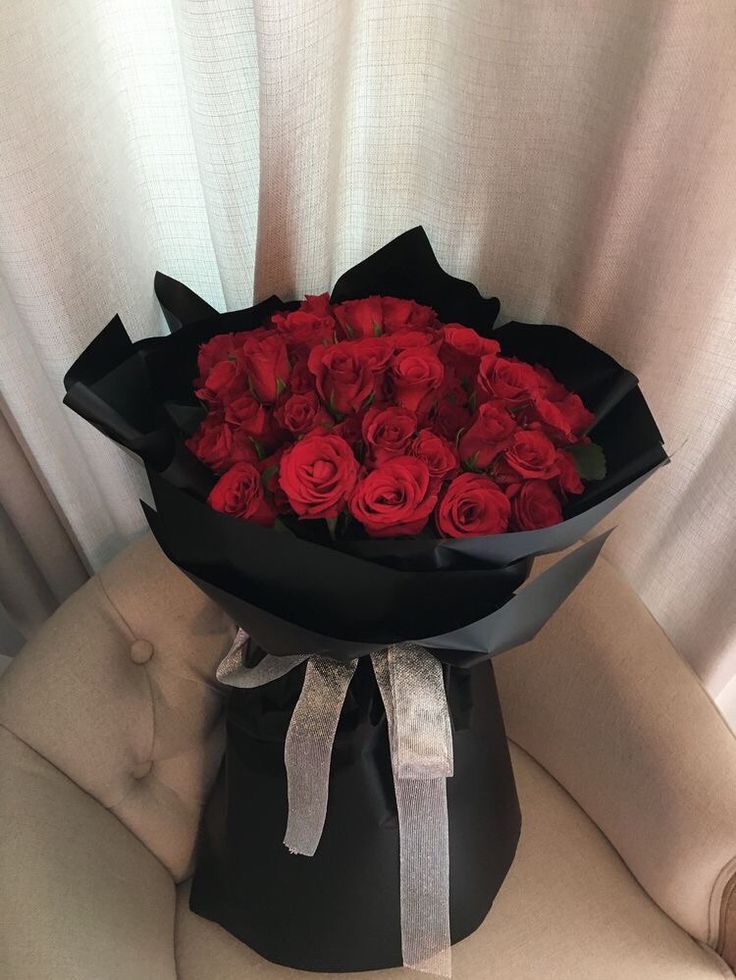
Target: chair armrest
x=80, y=897
x=603, y=701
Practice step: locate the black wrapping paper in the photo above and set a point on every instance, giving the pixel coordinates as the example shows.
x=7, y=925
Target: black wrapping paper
x=339, y=910
x=299, y=592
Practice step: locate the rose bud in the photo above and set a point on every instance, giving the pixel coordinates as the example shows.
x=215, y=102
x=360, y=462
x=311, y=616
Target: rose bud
x=387, y=432
x=219, y=348
x=438, y=453
x=577, y=415
x=246, y=413
x=267, y=365
x=302, y=328
x=532, y=455
x=568, y=479
x=212, y=443
x=225, y=377
x=360, y=317
x=534, y=506
x=405, y=314
x=489, y=434
x=506, y=378
x=240, y=492
x=416, y=373
x=471, y=505
x=301, y=413
x=343, y=376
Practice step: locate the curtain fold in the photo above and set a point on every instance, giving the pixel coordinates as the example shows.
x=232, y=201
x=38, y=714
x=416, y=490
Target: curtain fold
x=577, y=160
x=39, y=566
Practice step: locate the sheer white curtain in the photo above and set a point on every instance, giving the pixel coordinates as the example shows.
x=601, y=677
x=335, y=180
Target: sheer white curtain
x=576, y=159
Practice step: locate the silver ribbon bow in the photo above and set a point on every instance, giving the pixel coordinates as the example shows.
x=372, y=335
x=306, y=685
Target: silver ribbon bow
x=412, y=688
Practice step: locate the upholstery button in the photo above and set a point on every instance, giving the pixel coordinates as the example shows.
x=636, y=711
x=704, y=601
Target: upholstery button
x=141, y=652
x=142, y=770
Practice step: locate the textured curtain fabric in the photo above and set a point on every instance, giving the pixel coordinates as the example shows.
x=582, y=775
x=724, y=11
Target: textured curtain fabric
x=576, y=159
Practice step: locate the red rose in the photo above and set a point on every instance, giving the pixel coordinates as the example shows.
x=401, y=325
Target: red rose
x=394, y=499
x=240, y=492
x=549, y=386
x=506, y=378
x=532, y=455
x=451, y=413
x=405, y=314
x=465, y=341
x=545, y=415
x=535, y=506
x=303, y=328
x=404, y=339
x=472, y=505
x=350, y=429
x=318, y=304
x=247, y=414
x=415, y=372
x=266, y=364
x=343, y=374
x=301, y=379
x=438, y=453
x=376, y=351
x=218, y=348
x=360, y=317
x=300, y=413
x=317, y=474
x=488, y=435
x=212, y=443
x=569, y=479
x=576, y=414
x=225, y=378
x=387, y=432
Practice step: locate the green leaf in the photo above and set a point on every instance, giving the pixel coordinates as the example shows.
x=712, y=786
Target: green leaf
x=589, y=461
x=349, y=331
x=377, y=329
x=267, y=474
x=280, y=386
x=473, y=401
x=258, y=448
x=471, y=464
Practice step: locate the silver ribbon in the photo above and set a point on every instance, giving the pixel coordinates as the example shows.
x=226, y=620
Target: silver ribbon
x=420, y=737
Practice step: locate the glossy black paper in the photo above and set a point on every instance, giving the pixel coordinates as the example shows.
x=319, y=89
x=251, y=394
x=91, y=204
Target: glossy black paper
x=300, y=592
x=339, y=910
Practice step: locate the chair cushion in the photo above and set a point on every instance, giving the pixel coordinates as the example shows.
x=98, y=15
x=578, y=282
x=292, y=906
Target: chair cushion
x=80, y=897
x=569, y=910
x=118, y=691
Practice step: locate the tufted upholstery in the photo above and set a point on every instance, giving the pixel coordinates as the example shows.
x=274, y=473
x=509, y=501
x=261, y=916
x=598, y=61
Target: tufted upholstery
x=117, y=691
x=110, y=736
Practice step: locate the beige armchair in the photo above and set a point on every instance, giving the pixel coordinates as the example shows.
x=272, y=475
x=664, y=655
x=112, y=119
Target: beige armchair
x=111, y=735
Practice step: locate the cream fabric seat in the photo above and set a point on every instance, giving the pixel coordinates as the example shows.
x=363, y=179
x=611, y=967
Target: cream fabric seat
x=111, y=736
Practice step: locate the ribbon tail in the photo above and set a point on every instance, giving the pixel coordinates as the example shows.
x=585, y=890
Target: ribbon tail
x=412, y=687
x=308, y=750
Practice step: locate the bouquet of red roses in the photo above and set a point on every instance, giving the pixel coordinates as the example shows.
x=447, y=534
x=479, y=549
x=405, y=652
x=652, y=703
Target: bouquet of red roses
x=373, y=410
x=362, y=482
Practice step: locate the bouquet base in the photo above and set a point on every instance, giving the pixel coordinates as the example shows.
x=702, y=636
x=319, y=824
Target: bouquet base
x=339, y=911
